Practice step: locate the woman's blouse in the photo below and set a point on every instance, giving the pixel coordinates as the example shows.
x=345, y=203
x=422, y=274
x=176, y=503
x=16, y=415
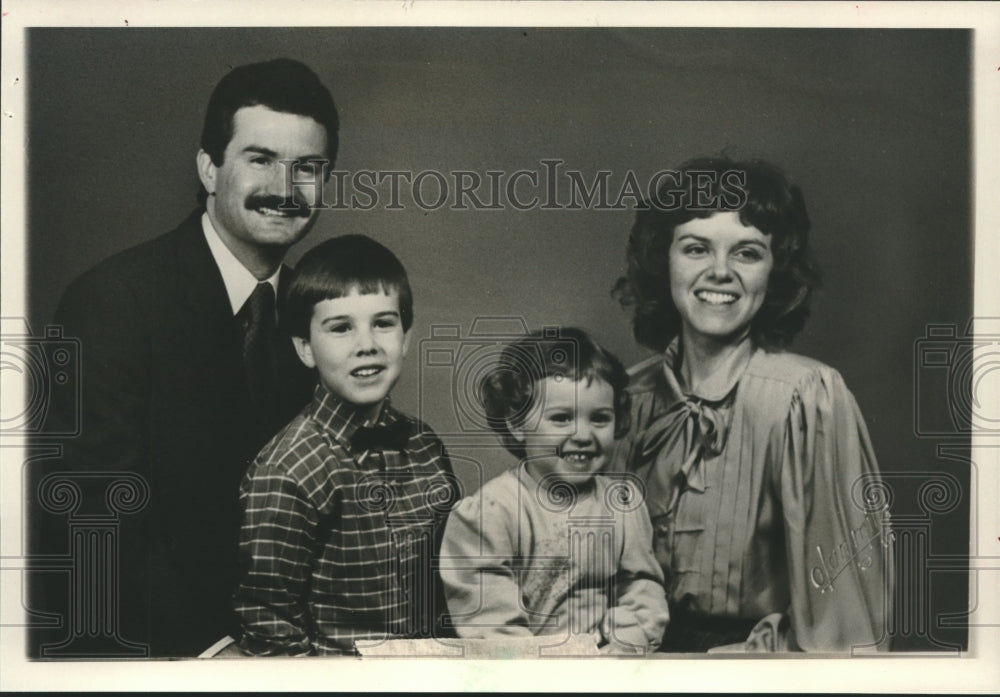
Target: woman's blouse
x=518, y=559
x=765, y=498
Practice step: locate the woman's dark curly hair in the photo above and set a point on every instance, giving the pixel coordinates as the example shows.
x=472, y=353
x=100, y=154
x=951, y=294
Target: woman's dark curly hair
x=765, y=199
x=509, y=390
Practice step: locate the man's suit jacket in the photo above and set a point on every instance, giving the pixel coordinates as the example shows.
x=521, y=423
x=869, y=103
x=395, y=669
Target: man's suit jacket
x=164, y=395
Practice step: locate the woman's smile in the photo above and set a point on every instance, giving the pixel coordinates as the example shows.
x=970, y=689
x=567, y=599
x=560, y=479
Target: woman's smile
x=713, y=297
x=719, y=271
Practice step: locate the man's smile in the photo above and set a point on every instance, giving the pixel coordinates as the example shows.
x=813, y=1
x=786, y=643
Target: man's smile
x=277, y=207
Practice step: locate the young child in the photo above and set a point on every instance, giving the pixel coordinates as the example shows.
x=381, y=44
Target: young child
x=552, y=547
x=343, y=507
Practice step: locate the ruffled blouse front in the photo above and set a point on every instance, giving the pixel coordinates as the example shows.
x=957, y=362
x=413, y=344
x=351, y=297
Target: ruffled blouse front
x=763, y=491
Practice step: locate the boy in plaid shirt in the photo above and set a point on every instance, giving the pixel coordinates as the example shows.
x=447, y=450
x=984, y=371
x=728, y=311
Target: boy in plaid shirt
x=343, y=508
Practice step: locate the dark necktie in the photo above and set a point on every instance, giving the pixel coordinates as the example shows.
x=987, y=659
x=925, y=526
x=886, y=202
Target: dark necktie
x=392, y=437
x=258, y=346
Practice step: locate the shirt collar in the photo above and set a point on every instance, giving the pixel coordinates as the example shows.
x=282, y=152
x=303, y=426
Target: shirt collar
x=240, y=283
x=341, y=419
x=720, y=385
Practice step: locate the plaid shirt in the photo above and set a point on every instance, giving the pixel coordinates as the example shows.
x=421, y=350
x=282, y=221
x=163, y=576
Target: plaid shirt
x=337, y=545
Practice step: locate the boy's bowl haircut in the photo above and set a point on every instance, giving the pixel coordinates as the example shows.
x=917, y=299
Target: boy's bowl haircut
x=335, y=268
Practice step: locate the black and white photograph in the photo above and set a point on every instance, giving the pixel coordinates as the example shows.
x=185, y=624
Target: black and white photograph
x=461, y=346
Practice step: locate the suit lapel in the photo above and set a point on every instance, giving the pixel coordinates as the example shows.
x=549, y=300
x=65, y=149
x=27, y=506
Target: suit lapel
x=208, y=319
x=202, y=292
x=205, y=323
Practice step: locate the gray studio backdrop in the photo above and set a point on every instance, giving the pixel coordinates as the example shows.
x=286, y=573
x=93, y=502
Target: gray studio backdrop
x=874, y=125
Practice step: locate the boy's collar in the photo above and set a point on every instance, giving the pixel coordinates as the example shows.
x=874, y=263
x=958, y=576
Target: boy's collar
x=343, y=418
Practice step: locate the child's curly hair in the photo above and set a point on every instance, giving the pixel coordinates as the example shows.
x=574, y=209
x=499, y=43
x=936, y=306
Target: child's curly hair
x=509, y=390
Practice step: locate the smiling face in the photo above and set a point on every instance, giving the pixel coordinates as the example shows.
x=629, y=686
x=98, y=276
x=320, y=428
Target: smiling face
x=357, y=344
x=248, y=189
x=719, y=270
x=575, y=429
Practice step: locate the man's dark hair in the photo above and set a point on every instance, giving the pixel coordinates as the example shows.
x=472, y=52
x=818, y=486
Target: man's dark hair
x=332, y=269
x=772, y=204
x=511, y=388
x=283, y=85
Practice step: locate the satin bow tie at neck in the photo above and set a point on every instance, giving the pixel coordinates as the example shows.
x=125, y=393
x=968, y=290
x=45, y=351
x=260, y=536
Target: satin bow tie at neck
x=703, y=425
x=395, y=436
x=690, y=430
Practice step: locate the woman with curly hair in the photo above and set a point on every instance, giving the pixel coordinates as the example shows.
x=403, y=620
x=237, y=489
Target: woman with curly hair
x=760, y=478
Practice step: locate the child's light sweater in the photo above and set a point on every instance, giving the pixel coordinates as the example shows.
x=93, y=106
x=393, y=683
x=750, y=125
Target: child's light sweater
x=519, y=559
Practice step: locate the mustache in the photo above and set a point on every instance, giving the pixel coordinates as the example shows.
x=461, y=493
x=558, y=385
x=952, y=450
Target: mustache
x=297, y=207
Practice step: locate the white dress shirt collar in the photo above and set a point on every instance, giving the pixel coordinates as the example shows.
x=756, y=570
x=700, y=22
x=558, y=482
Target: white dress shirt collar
x=240, y=283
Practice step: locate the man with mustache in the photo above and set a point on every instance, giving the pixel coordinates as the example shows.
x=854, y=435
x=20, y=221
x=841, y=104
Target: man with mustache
x=184, y=374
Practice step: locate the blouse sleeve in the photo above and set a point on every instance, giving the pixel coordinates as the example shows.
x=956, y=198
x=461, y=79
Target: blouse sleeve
x=477, y=569
x=836, y=522
x=639, y=615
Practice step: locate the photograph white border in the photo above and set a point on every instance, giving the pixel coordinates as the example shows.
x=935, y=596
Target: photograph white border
x=976, y=672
